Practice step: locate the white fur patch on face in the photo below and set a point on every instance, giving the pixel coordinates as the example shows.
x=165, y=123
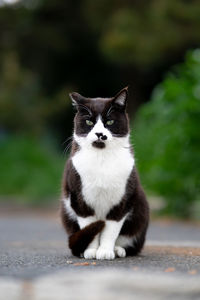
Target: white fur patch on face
x=98, y=128
x=111, y=142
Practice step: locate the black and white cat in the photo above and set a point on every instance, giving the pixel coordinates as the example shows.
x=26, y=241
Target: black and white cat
x=103, y=207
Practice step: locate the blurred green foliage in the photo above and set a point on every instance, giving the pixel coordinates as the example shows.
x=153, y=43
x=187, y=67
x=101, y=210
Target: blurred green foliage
x=94, y=47
x=49, y=48
x=144, y=33
x=24, y=106
x=167, y=139
x=30, y=171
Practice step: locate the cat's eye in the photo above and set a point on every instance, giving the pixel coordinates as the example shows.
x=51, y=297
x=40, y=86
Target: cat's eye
x=89, y=123
x=110, y=122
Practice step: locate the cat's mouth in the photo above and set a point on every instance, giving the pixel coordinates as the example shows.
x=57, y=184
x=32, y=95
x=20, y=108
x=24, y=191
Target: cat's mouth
x=98, y=144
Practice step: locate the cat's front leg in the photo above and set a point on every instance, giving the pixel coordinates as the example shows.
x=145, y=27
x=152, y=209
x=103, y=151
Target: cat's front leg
x=90, y=252
x=108, y=238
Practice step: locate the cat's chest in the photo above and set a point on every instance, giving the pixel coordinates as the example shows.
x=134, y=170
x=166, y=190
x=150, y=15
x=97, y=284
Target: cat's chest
x=103, y=177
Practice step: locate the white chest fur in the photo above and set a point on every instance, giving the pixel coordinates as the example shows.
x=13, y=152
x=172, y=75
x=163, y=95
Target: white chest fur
x=104, y=174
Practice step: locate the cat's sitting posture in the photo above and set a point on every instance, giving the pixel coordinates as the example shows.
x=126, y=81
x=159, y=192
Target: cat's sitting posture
x=103, y=207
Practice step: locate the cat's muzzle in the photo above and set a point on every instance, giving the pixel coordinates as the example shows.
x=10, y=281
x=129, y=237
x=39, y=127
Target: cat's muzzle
x=99, y=144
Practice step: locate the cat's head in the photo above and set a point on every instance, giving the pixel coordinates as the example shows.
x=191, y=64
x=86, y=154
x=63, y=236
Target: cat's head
x=99, y=122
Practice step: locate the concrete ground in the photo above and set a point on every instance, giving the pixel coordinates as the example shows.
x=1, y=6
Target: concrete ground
x=35, y=263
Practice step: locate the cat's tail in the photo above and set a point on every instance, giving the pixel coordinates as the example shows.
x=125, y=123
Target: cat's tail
x=79, y=241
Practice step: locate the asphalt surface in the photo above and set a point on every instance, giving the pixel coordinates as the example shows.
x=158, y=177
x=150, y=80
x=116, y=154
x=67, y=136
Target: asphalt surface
x=35, y=245
x=34, y=256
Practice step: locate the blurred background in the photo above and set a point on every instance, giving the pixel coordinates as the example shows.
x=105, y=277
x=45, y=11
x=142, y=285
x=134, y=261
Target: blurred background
x=50, y=48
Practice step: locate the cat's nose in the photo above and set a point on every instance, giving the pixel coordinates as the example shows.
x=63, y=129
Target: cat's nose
x=99, y=134
x=104, y=137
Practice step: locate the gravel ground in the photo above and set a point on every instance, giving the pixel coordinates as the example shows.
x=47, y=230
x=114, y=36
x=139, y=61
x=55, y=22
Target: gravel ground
x=35, y=263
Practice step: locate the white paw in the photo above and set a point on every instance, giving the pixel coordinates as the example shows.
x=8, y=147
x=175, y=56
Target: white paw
x=120, y=252
x=90, y=253
x=103, y=253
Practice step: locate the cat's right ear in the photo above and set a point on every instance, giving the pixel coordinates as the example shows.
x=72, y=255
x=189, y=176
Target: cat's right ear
x=79, y=102
x=76, y=98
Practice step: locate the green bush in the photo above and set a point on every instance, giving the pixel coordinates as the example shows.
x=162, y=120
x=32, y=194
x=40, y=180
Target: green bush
x=30, y=171
x=166, y=135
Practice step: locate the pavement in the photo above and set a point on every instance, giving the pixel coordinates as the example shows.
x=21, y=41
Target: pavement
x=35, y=263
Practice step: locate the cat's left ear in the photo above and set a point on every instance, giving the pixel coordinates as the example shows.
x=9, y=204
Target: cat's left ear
x=76, y=98
x=121, y=98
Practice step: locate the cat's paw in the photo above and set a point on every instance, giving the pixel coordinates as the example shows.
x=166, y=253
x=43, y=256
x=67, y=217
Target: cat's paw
x=119, y=251
x=90, y=253
x=103, y=253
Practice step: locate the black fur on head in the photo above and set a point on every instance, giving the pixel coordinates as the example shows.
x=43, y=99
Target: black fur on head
x=111, y=110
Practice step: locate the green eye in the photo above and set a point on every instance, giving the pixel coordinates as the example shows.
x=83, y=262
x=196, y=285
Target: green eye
x=110, y=122
x=89, y=123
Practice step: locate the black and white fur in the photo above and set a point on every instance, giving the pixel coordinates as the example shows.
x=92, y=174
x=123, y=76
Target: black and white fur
x=103, y=207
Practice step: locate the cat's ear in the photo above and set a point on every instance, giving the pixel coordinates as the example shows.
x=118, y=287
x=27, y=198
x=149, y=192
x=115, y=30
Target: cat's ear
x=76, y=98
x=121, y=98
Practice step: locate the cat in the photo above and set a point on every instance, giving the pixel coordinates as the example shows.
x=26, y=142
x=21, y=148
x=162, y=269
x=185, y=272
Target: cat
x=103, y=208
